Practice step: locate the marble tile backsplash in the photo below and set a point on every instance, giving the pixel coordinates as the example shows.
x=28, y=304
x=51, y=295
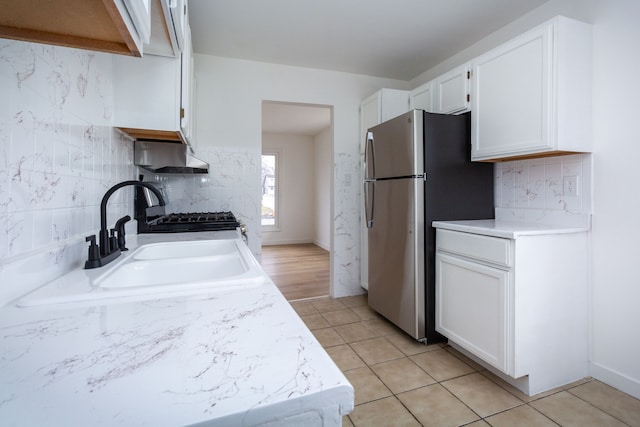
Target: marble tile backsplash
x=534, y=190
x=233, y=184
x=58, y=155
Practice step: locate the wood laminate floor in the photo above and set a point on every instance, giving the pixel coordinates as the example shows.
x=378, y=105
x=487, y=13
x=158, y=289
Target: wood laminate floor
x=299, y=271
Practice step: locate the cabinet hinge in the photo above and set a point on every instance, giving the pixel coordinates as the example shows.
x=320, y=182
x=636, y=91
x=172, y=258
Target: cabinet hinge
x=468, y=74
x=182, y=113
x=468, y=98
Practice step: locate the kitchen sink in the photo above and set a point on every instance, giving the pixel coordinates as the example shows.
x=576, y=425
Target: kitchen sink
x=173, y=250
x=206, y=270
x=158, y=270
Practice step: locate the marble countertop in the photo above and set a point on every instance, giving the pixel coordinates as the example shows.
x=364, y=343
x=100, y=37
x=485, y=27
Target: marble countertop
x=221, y=358
x=505, y=229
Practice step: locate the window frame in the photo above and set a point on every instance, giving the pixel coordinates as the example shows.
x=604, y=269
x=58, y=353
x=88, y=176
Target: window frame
x=277, y=189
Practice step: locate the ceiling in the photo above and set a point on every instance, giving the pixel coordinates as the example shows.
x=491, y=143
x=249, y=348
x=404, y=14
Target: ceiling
x=299, y=119
x=397, y=39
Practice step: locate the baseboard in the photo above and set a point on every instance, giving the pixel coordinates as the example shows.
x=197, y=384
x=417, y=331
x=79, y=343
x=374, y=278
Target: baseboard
x=322, y=245
x=286, y=242
x=295, y=242
x=615, y=379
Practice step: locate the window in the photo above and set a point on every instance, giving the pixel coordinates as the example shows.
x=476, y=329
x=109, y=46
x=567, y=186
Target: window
x=270, y=190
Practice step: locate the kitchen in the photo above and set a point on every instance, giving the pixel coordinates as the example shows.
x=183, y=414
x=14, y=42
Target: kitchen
x=56, y=201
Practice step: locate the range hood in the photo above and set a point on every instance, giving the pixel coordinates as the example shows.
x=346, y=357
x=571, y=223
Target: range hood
x=167, y=157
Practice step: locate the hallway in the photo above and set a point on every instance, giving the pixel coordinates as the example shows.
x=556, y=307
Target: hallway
x=299, y=271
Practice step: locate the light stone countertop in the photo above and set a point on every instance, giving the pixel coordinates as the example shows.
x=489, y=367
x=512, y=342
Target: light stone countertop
x=505, y=229
x=220, y=358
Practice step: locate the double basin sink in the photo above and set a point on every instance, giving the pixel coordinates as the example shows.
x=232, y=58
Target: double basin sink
x=159, y=269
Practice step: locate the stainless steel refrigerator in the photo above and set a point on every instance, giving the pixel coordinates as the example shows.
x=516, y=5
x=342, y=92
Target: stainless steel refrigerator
x=417, y=170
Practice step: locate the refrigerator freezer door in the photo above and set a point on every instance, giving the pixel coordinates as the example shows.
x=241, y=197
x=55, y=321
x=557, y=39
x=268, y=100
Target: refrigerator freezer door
x=393, y=151
x=396, y=251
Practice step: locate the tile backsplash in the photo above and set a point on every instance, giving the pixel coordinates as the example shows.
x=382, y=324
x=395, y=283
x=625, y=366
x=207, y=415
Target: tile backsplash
x=233, y=184
x=534, y=190
x=58, y=155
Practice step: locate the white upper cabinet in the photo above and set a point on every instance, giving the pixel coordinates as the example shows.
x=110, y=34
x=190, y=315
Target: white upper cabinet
x=452, y=91
x=383, y=105
x=114, y=26
x=187, y=90
x=169, y=27
x=422, y=98
x=531, y=96
x=140, y=14
x=179, y=17
x=154, y=95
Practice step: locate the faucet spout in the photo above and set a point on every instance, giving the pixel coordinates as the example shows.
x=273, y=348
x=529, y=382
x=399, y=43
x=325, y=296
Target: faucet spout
x=106, y=253
x=104, y=233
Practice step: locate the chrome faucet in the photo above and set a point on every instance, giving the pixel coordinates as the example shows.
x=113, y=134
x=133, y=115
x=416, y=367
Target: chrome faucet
x=110, y=247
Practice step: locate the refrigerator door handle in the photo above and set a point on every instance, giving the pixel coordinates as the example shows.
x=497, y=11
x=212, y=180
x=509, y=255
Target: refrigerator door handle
x=369, y=158
x=369, y=193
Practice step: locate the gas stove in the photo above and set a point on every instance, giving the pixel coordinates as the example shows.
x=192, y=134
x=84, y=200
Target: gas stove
x=152, y=219
x=197, y=221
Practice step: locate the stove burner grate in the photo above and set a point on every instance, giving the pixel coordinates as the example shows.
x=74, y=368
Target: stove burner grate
x=197, y=221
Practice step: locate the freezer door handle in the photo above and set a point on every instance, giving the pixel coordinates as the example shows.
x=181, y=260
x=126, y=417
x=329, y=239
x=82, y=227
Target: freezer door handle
x=369, y=158
x=369, y=193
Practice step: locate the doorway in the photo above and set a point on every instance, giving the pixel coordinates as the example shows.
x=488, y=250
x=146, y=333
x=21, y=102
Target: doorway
x=297, y=170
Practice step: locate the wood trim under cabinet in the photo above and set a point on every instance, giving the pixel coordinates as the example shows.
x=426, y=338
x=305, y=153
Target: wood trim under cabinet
x=531, y=156
x=153, y=135
x=89, y=24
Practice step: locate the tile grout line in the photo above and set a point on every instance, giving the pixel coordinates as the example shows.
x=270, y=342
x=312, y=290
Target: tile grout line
x=477, y=370
x=591, y=404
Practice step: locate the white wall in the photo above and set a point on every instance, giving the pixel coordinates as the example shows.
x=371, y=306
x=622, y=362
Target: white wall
x=614, y=278
x=615, y=349
x=229, y=107
x=323, y=154
x=296, y=173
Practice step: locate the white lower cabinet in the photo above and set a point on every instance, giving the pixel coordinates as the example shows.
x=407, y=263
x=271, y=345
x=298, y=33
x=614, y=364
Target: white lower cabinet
x=478, y=292
x=516, y=305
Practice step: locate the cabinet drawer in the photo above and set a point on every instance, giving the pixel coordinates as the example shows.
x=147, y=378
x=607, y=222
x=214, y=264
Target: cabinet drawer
x=484, y=248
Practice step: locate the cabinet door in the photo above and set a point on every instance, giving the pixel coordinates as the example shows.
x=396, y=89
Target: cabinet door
x=422, y=98
x=511, y=98
x=472, y=308
x=179, y=16
x=140, y=13
x=147, y=93
x=186, y=90
x=452, y=91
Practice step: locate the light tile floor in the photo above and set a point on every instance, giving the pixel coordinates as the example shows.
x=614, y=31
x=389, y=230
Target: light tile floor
x=399, y=382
